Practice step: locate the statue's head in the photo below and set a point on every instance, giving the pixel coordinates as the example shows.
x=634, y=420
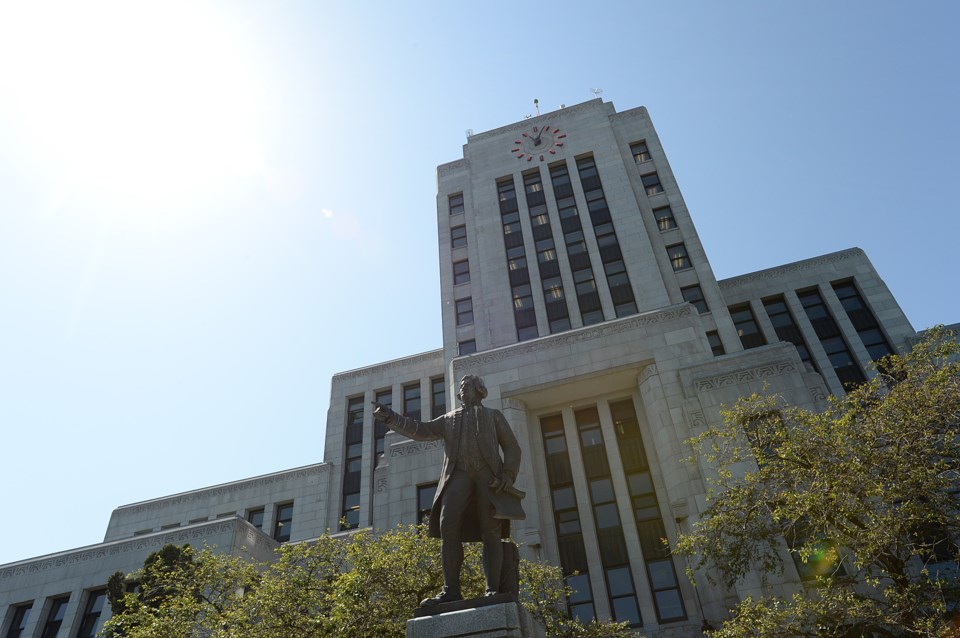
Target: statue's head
x=472, y=390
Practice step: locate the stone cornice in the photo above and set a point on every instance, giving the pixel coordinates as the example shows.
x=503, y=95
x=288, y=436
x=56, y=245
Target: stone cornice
x=599, y=331
x=390, y=365
x=140, y=544
x=225, y=489
x=797, y=266
x=452, y=167
x=744, y=375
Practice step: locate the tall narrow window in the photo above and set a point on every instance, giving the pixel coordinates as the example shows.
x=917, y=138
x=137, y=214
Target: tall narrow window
x=255, y=517
x=716, y=345
x=464, y=308
x=613, y=266
x=747, y=328
x=566, y=516
x=425, y=496
x=438, y=394
x=556, y=304
x=661, y=571
x=694, y=295
x=352, y=464
x=613, y=547
x=411, y=401
x=468, y=346
x=283, y=522
x=90, y=622
x=651, y=184
x=21, y=615
x=640, y=152
x=523, y=310
x=786, y=328
x=458, y=236
x=461, y=272
x=588, y=299
x=862, y=319
x=664, y=217
x=456, y=203
x=383, y=397
x=679, y=258
x=846, y=368
x=58, y=608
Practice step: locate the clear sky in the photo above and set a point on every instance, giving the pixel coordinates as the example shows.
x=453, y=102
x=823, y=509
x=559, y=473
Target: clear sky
x=208, y=208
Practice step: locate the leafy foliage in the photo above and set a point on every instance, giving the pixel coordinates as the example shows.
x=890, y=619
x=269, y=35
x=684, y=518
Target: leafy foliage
x=352, y=586
x=865, y=496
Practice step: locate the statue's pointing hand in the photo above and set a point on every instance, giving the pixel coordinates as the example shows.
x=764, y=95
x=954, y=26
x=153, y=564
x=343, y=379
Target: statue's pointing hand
x=380, y=411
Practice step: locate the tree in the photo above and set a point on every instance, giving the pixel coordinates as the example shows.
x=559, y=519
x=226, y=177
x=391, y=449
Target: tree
x=357, y=585
x=864, y=496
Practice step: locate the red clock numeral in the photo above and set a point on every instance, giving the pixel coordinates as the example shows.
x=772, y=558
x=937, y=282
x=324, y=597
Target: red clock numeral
x=559, y=144
x=553, y=152
x=560, y=137
x=534, y=129
x=520, y=155
x=529, y=157
x=524, y=134
x=541, y=158
x=555, y=131
x=514, y=150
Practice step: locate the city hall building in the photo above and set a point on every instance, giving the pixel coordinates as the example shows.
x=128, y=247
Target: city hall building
x=574, y=282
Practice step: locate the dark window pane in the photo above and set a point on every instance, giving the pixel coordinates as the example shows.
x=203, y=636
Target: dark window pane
x=625, y=610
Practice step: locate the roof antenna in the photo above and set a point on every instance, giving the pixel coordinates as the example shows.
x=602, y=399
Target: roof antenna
x=536, y=105
x=597, y=92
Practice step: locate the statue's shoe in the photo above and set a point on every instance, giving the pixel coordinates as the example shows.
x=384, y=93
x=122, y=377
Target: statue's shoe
x=445, y=596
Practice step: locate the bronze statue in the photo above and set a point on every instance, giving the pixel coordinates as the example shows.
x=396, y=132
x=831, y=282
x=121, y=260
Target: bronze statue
x=475, y=498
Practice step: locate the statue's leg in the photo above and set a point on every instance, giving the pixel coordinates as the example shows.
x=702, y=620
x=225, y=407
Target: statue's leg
x=490, y=529
x=456, y=494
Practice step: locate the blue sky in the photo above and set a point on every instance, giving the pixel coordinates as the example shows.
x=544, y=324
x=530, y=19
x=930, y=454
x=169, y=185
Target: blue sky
x=207, y=209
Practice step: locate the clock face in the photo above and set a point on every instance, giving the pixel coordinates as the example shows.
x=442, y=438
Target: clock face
x=538, y=143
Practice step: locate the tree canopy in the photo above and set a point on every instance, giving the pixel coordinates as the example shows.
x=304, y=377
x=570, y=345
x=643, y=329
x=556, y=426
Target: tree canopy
x=358, y=585
x=864, y=496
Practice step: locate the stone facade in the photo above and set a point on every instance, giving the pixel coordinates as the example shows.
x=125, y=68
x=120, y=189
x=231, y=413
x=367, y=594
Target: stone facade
x=601, y=397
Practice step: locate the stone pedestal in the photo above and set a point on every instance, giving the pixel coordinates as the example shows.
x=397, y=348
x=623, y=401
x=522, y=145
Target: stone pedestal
x=501, y=620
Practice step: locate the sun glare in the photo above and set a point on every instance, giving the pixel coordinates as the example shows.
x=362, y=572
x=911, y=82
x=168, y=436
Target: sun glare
x=132, y=106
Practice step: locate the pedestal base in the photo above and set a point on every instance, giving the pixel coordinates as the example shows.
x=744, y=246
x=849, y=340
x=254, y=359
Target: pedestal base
x=502, y=620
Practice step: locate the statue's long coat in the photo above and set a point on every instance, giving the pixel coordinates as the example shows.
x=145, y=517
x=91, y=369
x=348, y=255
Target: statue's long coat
x=494, y=434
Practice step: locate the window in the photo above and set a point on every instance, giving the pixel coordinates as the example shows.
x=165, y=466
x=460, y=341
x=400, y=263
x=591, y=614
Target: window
x=255, y=517
x=456, y=203
x=438, y=393
x=694, y=295
x=90, y=622
x=863, y=320
x=640, y=152
x=523, y=311
x=786, y=328
x=651, y=184
x=458, y=236
x=21, y=615
x=847, y=370
x=468, y=346
x=425, y=495
x=573, y=556
x=679, y=258
x=464, y=311
x=747, y=328
x=461, y=272
x=352, y=464
x=716, y=346
x=664, y=217
x=383, y=397
x=552, y=287
x=618, y=282
x=411, y=401
x=283, y=522
x=661, y=572
x=58, y=607
x=613, y=547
